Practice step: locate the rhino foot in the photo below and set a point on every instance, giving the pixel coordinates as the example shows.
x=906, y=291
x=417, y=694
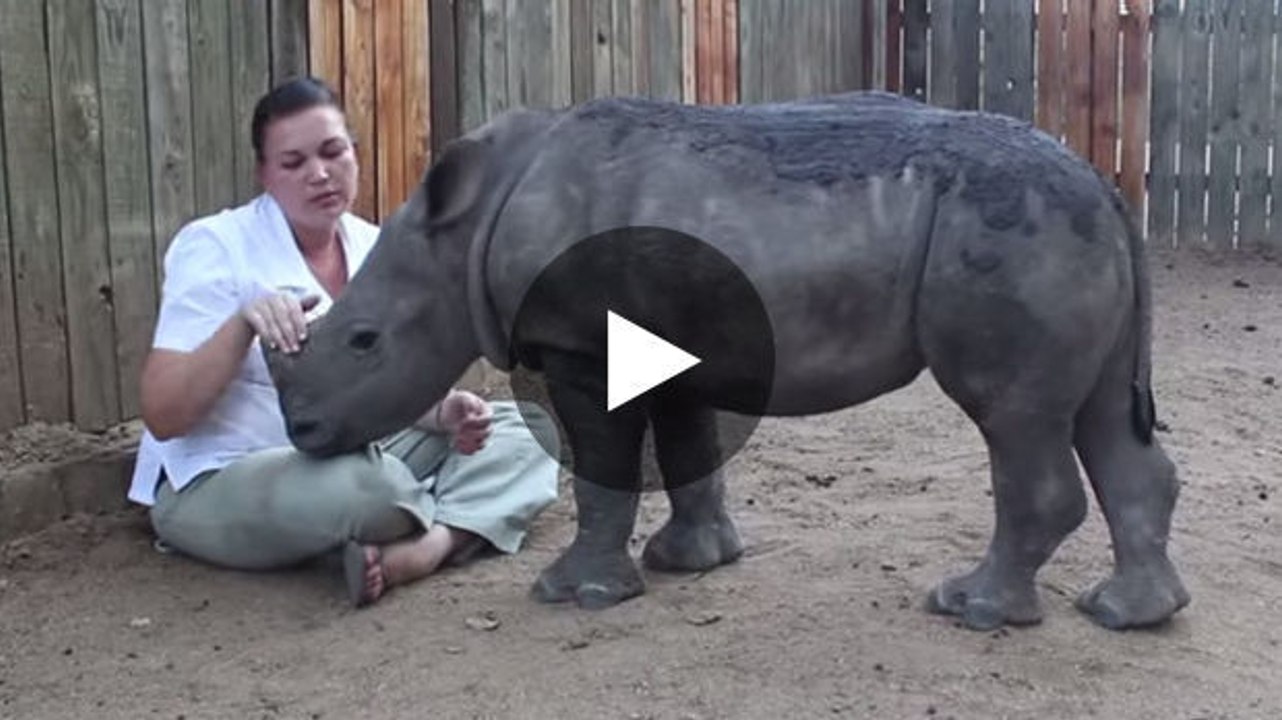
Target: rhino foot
x=985, y=602
x=1135, y=599
x=593, y=580
x=691, y=547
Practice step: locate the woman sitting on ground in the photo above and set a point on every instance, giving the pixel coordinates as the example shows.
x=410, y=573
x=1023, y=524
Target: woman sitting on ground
x=216, y=465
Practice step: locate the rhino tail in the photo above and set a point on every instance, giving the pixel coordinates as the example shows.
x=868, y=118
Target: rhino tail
x=1143, y=407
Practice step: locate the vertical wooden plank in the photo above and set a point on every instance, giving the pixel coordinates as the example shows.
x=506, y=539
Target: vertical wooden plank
x=389, y=104
x=169, y=119
x=843, y=31
x=494, y=44
x=1104, y=87
x=603, y=48
x=12, y=413
x=967, y=46
x=689, y=71
x=621, y=58
x=1077, y=96
x=717, y=52
x=807, y=58
x=663, y=50
x=82, y=213
x=1008, y=58
x=1275, y=182
x=581, y=41
x=1135, y=103
x=916, y=49
x=324, y=39
x=731, y=34
x=127, y=188
x=209, y=39
x=289, y=39
x=703, y=49
x=641, y=12
x=1164, y=121
x=529, y=58
x=1226, y=39
x=471, y=87
x=789, y=78
x=855, y=26
x=866, y=42
x=250, y=80
x=894, y=45
x=878, y=33
x=33, y=209
x=560, y=47
x=943, y=54
x=359, y=98
x=416, y=53
x=996, y=55
x=444, y=72
x=1050, y=66
x=1193, y=123
x=750, y=50
x=518, y=35
x=1257, y=73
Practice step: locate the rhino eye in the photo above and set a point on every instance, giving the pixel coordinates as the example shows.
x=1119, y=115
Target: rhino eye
x=363, y=340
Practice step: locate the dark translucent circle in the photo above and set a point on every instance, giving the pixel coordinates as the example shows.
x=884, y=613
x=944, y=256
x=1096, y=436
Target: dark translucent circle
x=677, y=287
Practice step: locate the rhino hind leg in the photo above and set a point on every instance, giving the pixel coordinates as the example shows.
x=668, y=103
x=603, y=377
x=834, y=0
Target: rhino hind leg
x=597, y=571
x=1039, y=501
x=699, y=534
x=1136, y=485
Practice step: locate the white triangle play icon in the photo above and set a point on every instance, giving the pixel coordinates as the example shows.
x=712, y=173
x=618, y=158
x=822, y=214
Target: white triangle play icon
x=637, y=360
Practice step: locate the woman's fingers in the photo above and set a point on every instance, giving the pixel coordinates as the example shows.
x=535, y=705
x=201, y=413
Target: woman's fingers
x=279, y=320
x=288, y=316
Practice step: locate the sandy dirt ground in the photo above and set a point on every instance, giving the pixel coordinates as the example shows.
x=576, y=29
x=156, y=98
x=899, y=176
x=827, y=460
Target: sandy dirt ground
x=849, y=519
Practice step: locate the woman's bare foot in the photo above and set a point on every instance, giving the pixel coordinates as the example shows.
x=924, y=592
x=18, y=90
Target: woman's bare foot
x=403, y=562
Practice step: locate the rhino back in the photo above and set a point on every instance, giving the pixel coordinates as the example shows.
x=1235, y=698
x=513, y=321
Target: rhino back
x=826, y=141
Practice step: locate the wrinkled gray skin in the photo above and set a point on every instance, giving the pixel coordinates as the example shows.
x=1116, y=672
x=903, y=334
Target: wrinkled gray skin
x=884, y=236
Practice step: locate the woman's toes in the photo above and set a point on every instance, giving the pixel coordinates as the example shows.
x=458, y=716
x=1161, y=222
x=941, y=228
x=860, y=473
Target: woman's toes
x=373, y=574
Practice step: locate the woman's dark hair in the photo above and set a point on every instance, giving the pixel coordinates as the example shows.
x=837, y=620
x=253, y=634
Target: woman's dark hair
x=289, y=97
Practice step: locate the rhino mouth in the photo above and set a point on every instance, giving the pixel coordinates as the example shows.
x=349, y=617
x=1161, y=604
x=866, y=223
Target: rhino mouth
x=313, y=437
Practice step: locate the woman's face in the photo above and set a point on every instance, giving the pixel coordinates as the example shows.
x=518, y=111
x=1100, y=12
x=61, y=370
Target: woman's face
x=309, y=166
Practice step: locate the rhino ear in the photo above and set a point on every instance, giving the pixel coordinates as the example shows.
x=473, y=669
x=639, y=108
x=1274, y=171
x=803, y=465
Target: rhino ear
x=455, y=182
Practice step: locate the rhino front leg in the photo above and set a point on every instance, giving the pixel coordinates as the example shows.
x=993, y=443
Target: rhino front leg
x=1039, y=500
x=699, y=535
x=596, y=571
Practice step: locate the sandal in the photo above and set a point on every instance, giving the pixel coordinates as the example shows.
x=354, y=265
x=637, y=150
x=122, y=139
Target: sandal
x=355, y=567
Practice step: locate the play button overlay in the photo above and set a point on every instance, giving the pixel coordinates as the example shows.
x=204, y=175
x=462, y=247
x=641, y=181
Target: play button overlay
x=637, y=360
x=643, y=357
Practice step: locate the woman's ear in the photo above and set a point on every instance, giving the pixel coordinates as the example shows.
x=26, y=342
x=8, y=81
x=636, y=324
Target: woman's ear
x=455, y=182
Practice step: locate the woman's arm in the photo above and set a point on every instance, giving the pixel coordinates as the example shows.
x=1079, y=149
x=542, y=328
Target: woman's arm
x=179, y=388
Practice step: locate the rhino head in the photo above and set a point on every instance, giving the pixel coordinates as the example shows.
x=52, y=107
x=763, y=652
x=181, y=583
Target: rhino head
x=416, y=314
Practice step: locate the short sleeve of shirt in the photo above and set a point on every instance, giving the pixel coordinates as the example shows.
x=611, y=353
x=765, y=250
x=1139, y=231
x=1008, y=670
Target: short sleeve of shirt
x=200, y=290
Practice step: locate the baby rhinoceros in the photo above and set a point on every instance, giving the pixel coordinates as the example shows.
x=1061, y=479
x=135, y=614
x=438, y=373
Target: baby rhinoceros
x=884, y=237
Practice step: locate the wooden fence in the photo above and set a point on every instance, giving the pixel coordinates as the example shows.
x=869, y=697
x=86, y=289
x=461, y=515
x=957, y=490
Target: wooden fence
x=122, y=119
x=1079, y=68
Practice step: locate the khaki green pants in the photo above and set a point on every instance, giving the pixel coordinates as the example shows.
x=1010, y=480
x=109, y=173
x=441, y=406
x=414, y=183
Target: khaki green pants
x=279, y=507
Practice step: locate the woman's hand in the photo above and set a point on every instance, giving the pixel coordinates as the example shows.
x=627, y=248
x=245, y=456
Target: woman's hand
x=466, y=417
x=279, y=319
